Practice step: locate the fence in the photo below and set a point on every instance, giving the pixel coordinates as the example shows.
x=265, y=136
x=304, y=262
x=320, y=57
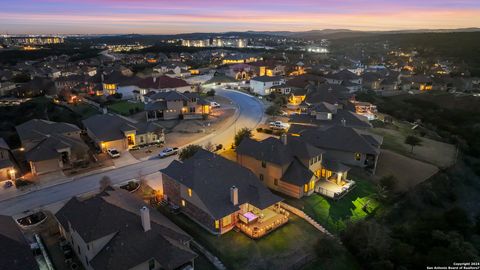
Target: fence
x=306, y=217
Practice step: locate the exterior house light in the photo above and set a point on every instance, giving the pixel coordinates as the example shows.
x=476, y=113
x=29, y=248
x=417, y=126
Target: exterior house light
x=183, y=203
x=190, y=192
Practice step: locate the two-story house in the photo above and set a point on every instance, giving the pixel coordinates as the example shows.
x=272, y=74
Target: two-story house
x=261, y=85
x=114, y=230
x=347, y=145
x=220, y=195
x=112, y=131
x=175, y=105
x=294, y=167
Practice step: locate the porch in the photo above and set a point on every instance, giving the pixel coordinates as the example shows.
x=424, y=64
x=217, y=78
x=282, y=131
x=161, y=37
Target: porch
x=257, y=223
x=334, y=188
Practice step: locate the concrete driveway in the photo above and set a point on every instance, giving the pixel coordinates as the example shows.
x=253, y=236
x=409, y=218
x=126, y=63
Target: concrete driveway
x=250, y=114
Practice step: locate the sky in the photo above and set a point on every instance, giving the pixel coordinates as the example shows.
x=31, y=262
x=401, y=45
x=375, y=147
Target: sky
x=187, y=16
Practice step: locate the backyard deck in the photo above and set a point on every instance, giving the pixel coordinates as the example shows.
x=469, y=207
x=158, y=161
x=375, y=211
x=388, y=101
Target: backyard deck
x=263, y=223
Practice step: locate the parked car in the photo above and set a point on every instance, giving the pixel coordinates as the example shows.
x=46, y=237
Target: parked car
x=279, y=125
x=169, y=151
x=112, y=152
x=214, y=104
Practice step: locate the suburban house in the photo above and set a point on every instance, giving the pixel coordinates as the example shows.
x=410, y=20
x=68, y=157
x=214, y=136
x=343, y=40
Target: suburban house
x=7, y=164
x=346, y=145
x=294, y=167
x=220, y=195
x=261, y=85
x=112, y=131
x=136, y=87
x=175, y=105
x=346, y=78
x=114, y=230
x=51, y=146
x=326, y=114
x=15, y=251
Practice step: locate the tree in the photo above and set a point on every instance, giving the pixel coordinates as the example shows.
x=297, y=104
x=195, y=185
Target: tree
x=273, y=110
x=210, y=93
x=413, y=141
x=105, y=182
x=188, y=151
x=241, y=134
x=389, y=182
x=209, y=146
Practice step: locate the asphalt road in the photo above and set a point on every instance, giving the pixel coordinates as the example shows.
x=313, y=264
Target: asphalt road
x=250, y=113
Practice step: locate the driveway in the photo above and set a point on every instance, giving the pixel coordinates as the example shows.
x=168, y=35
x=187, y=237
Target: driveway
x=126, y=158
x=250, y=114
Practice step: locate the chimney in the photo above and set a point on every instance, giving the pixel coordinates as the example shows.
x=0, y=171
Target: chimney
x=234, y=195
x=283, y=138
x=145, y=216
x=344, y=122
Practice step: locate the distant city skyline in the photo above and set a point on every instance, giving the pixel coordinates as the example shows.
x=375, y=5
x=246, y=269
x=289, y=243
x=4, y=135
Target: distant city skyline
x=186, y=16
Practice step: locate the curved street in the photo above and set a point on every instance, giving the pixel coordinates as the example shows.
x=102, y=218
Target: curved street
x=249, y=114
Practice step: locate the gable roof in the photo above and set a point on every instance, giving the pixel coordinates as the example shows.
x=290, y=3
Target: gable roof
x=161, y=82
x=211, y=176
x=274, y=151
x=37, y=129
x=339, y=138
x=111, y=213
x=109, y=127
x=267, y=78
x=14, y=250
x=351, y=119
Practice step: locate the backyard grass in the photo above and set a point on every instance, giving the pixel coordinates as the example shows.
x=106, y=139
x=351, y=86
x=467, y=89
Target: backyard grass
x=334, y=215
x=124, y=107
x=84, y=110
x=289, y=246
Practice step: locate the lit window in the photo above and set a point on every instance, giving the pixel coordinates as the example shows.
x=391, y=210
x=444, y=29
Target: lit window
x=312, y=185
x=305, y=188
x=217, y=224
x=183, y=203
x=324, y=172
x=358, y=156
x=226, y=220
x=190, y=192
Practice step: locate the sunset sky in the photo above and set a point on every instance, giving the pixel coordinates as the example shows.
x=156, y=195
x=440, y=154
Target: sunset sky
x=184, y=16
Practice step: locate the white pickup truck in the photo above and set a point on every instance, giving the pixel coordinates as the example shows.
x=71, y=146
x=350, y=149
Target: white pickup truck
x=279, y=125
x=169, y=151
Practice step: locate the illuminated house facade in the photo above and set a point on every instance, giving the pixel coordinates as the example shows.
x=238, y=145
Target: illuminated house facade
x=51, y=146
x=294, y=167
x=220, y=195
x=112, y=131
x=7, y=165
x=262, y=85
x=175, y=105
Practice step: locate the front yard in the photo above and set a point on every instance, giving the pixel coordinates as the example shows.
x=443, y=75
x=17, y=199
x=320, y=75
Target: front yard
x=124, y=107
x=333, y=215
x=290, y=246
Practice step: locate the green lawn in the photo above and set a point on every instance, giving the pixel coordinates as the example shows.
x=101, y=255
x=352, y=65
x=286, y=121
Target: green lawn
x=334, y=215
x=123, y=107
x=288, y=246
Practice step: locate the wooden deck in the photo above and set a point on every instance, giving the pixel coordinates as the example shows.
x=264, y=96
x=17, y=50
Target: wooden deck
x=269, y=220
